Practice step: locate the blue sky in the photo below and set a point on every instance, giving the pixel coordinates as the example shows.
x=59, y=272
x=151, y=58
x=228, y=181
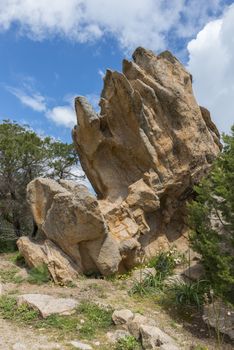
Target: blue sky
x=50, y=53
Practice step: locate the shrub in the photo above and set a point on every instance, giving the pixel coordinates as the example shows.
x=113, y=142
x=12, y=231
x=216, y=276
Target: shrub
x=39, y=275
x=188, y=294
x=211, y=218
x=166, y=261
x=148, y=285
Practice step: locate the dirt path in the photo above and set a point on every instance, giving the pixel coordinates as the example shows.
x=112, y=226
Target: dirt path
x=102, y=292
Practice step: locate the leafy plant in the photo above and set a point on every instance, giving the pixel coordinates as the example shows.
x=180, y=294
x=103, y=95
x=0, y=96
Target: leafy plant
x=39, y=275
x=18, y=259
x=127, y=343
x=164, y=264
x=188, y=294
x=148, y=285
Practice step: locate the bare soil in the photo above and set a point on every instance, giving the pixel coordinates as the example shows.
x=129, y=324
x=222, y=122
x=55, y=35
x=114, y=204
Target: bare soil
x=114, y=293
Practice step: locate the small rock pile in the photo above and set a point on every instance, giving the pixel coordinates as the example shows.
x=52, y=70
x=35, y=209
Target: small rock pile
x=143, y=329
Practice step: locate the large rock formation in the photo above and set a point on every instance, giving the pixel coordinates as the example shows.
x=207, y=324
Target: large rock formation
x=142, y=154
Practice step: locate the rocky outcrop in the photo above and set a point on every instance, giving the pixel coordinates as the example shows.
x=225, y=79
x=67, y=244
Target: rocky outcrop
x=142, y=153
x=74, y=235
x=145, y=149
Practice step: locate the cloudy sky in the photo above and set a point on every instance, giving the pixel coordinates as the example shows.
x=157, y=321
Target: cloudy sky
x=51, y=51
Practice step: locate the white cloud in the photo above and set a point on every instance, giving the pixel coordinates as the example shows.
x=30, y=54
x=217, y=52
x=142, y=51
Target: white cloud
x=211, y=62
x=101, y=73
x=131, y=22
x=32, y=100
x=62, y=115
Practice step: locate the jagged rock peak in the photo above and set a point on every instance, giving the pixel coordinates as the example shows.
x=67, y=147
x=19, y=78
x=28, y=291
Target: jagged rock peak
x=144, y=151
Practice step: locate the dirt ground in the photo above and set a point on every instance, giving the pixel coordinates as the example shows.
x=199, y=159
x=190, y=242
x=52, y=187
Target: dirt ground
x=112, y=293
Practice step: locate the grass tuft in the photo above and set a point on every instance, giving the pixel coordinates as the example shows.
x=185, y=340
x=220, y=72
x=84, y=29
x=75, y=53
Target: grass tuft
x=39, y=275
x=188, y=294
x=127, y=343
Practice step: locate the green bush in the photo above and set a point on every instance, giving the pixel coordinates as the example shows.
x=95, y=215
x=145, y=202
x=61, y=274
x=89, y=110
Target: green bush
x=187, y=294
x=39, y=275
x=211, y=218
x=166, y=261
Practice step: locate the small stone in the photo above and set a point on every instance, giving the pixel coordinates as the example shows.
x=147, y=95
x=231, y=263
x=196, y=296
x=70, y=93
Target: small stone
x=48, y=305
x=117, y=335
x=153, y=337
x=97, y=343
x=19, y=346
x=122, y=316
x=135, y=324
x=80, y=346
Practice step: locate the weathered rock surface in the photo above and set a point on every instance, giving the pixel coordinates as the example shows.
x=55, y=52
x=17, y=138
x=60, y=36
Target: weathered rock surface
x=48, y=305
x=138, y=321
x=221, y=317
x=81, y=346
x=153, y=338
x=142, y=153
x=122, y=316
x=76, y=239
x=60, y=266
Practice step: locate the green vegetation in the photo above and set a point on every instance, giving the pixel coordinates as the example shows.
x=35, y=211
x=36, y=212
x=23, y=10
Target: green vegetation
x=18, y=259
x=10, y=276
x=199, y=347
x=164, y=263
x=211, y=217
x=188, y=294
x=39, y=275
x=9, y=310
x=127, y=343
x=23, y=156
x=95, y=319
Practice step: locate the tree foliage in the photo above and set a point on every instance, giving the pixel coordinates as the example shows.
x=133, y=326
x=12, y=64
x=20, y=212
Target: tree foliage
x=211, y=217
x=23, y=156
